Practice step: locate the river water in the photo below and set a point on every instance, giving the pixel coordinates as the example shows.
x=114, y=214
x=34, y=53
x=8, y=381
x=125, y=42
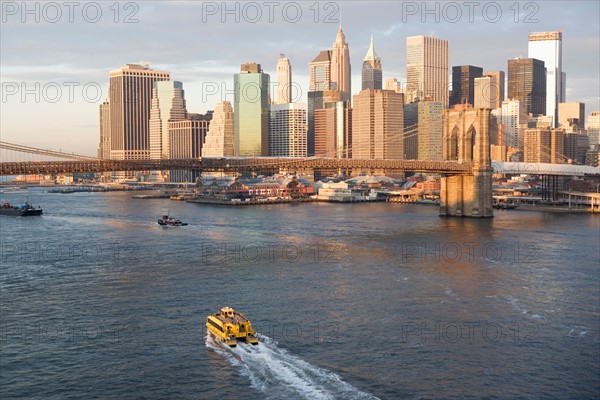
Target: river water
x=351, y=301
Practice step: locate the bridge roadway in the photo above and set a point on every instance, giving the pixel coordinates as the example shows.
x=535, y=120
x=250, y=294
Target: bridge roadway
x=516, y=168
x=232, y=164
x=290, y=163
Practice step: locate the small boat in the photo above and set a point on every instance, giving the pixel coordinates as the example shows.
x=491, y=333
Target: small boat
x=230, y=326
x=23, y=210
x=168, y=221
x=183, y=196
x=13, y=189
x=505, y=206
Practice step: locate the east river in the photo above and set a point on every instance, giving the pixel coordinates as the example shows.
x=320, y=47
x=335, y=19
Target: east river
x=351, y=301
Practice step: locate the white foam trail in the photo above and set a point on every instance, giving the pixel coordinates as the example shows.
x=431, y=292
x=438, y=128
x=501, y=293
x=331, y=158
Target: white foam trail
x=279, y=375
x=577, y=331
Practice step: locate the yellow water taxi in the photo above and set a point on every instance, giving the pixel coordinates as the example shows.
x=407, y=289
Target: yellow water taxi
x=230, y=326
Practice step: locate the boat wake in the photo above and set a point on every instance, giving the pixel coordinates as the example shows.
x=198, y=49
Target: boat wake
x=280, y=375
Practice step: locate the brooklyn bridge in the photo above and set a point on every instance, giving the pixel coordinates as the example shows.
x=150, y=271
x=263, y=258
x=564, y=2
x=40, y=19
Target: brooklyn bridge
x=230, y=165
x=466, y=167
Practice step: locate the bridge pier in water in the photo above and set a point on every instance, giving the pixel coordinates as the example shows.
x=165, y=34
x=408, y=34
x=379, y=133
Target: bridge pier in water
x=466, y=138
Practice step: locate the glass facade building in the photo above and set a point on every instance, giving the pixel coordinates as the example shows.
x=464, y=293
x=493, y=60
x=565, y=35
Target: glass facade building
x=251, y=111
x=463, y=84
x=527, y=83
x=547, y=46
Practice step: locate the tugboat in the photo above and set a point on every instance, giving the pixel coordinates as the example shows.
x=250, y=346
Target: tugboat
x=23, y=210
x=230, y=326
x=168, y=221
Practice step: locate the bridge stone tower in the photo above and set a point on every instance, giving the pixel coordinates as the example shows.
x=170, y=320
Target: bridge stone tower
x=466, y=138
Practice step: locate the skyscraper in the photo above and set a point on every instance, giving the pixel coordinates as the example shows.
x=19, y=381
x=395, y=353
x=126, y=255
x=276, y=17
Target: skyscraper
x=320, y=72
x=513, y=117
x=527, y=83
x=130, y=95
x=486, y=92
x=498, y=84
x=320, y=80
x=333, y=128
x=329, y=71
x=371, y=70
x=251, y=111
x=287, y=130
x=463, y=84
x=430, y=130
x=567, y=111
x=593, y=127
x=220, y=136
x=378, y=125
x=168, y=104
x=411, y=130
x=393, y=84
x=427, y=69
x=185, y=141
x=104, y=147
x=340, y=66
x=284, y=80
x=547, y=47
x=576, y=141
x=544, y=145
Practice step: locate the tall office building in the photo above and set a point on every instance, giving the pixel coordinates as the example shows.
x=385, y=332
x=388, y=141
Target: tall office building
x=513, y=117
x=320, y=80
x=251, y=111
x=219, y=139
x=547, y=46
x=498, y=83
x=527, y=83
x=427, y=63
x=104, y=147
x=411, y=131
x=130, y=98
x=393, y=84
x=284, y=80
x=541, y=121
x=287, y=130
x=329, y=71
x=319, y=71
x=593, y=128
x=485, y=92
x=544, y=145
x=430, y=116
x=576, y=142
x=574, y=110
x=371, y=70
x=186, y=138
x=333, y=129
x=340, y=66
x=463, y=84
x=168, y=104
x=377, y=125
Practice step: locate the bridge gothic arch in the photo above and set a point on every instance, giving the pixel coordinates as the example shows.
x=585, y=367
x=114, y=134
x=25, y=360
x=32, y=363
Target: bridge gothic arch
x=466, y=138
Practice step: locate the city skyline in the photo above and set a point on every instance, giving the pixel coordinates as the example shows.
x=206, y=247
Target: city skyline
x=212, y=61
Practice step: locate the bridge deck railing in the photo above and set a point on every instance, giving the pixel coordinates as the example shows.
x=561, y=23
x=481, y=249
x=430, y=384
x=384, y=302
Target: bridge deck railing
x=231, y=164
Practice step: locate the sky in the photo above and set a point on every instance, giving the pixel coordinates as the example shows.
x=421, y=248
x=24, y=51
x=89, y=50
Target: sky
x=56, y=56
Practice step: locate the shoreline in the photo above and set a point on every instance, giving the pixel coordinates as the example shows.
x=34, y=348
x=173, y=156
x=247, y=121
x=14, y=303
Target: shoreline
x=520, y=207
x=557, y=209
